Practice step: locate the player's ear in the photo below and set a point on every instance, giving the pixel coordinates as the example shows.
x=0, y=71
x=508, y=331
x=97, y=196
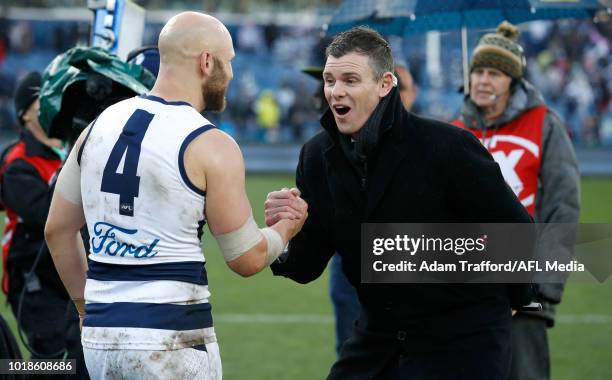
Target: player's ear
x=206, y=63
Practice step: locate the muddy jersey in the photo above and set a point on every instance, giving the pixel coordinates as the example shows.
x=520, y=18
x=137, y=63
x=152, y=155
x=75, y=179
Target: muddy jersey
x=146, y=285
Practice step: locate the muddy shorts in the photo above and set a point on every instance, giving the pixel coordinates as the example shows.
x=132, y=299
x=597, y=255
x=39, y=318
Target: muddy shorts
x=202, y=362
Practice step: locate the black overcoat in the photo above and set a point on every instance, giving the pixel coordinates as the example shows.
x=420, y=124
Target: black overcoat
x=422, y=171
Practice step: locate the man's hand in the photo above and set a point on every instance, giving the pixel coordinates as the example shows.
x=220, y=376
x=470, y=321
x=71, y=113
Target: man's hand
x=285, y=204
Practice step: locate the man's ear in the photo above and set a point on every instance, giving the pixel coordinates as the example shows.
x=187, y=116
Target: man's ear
x=387, y=83
x=206, y=63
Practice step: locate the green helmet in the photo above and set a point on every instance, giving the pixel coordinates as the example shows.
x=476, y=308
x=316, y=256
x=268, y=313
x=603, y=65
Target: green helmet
x=80, y=83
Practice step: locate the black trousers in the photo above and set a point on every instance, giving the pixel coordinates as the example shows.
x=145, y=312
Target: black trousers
x=377, y=350
x=530, y=352
x=50, y=323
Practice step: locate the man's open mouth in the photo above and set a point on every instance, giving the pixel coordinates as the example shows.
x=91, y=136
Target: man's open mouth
x=342, y=110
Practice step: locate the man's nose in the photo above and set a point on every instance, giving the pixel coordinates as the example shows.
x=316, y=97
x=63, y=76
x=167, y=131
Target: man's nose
x=338, y=90
x=484, y=77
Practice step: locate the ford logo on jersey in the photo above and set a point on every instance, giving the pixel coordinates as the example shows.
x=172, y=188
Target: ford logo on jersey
x=105, y=240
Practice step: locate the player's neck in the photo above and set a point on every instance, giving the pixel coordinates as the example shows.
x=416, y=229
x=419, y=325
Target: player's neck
x=177, y=90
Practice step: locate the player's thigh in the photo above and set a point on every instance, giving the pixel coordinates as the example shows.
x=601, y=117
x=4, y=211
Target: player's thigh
x=187, y=363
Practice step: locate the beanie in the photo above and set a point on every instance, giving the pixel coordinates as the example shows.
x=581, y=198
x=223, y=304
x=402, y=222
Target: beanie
x=26, y=93
x=500, y=51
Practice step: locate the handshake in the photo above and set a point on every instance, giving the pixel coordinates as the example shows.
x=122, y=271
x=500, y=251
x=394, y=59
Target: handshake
x=286, y=207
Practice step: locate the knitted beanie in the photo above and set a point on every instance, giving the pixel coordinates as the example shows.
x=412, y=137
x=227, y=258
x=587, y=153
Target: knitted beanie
x=26, y=93
x=500, y=51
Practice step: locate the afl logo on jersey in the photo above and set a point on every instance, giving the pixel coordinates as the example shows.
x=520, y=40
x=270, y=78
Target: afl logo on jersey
x=105, y=240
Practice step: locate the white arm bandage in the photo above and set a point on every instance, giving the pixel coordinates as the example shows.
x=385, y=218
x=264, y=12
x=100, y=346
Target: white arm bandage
x=236, y=243
x=69, y=180
x=275, y=244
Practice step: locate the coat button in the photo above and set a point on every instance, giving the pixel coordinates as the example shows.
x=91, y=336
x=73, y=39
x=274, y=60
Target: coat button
x=401, y=335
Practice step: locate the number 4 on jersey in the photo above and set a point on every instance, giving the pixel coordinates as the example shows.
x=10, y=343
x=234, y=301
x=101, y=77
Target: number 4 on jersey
x=127, y=183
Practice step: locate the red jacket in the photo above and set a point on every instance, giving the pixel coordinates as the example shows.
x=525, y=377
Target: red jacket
x=517, y=148
x=27, y=168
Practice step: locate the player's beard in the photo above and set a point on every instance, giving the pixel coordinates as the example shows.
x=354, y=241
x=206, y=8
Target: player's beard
x=215, y=89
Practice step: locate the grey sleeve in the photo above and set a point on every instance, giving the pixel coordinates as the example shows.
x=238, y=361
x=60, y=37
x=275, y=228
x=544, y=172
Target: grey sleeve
x=558, y=198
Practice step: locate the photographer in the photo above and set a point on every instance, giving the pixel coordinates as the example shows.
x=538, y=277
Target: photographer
x=28, y=167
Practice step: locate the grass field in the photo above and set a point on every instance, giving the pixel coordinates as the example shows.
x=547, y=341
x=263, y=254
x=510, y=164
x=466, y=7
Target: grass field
x=272, y=328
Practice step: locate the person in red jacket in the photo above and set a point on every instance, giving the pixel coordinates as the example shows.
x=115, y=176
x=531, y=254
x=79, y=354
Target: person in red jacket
x=538, y=162
x=27, y=168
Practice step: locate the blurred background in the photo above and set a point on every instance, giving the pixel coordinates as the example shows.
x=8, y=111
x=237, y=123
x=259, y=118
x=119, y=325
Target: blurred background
x=270, y=327
x=568, y=60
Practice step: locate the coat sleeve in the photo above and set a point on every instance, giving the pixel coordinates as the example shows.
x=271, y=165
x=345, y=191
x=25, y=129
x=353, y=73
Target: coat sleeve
x=310, y=250
x=482, y=196
x=558, y=200
x=25, y=193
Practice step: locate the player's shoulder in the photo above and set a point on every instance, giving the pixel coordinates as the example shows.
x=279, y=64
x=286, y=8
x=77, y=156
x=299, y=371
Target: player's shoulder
x=214, y=141
x=114, y=113
x=122, y=106
x=178, y=113
x=216, y=153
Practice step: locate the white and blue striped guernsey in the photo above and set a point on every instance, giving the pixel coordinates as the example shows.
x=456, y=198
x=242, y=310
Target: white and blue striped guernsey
x=146, y=285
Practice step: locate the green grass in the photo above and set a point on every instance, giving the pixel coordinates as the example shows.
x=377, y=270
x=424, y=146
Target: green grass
x=254, y=348
x=583, y=350
x=268, y=350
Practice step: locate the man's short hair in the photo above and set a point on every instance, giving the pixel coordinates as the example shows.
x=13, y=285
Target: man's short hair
x=366, y=41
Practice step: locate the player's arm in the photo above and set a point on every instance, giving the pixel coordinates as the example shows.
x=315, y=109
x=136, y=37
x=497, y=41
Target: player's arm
x=557, y=204
x=246, y=248
x=62, y=229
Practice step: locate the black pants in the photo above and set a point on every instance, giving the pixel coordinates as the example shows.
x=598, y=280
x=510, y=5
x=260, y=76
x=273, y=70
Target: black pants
x=50, y=323
x=395, y=354
x=42, y=319
x=530, y=353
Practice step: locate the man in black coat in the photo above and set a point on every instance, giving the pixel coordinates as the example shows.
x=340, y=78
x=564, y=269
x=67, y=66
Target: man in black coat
x=375, y=162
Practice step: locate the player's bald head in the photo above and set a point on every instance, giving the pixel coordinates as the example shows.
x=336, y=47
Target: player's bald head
x=188, y=34
x=195, y=66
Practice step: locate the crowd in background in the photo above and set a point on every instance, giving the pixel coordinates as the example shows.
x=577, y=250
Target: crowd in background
x=270, y=98
x=570, y=63
x=209, y=6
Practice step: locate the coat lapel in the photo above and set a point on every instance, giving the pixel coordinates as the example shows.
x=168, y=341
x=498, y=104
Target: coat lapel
x=341, y=174
x=392, y=151
x=380, y=176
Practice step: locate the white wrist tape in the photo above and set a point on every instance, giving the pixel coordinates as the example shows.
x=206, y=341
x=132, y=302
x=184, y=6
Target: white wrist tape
x=69, y=180
x=236, y=243
x=275, y=244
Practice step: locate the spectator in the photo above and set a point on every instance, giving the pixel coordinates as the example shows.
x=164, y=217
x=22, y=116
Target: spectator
x=537, y=161
x=268, y=115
